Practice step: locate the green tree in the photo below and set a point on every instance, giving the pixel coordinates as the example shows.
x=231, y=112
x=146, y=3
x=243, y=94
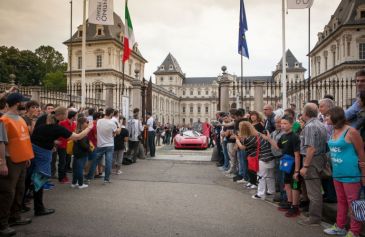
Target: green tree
x=55, y=80
x=52, y=59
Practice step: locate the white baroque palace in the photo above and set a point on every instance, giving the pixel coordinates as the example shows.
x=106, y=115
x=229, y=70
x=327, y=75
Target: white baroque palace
x=178, y=99
x=340, y=51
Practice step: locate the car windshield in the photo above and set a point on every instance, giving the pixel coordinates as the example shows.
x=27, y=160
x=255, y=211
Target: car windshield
x=191, y=133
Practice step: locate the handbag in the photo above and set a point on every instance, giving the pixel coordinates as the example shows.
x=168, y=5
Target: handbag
x=286, y=163
x=253, y=161
x=358, y=209
x=70, y=147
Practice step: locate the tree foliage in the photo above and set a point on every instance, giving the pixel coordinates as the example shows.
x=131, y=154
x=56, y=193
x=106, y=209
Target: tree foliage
x=45, y=65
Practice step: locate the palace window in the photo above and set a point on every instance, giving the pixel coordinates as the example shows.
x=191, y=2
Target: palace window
x=80, y=33
x=183, y=120
x=198, y=92
x=348, y=49
x=206, y=109
x=191, y=121
x=99, y=61
x=184, y=109
x=206, y=92
x=79, y=62
x=199, y=109
x=362, y=14
x=183, y=92
x=171, y=67
x=362, y=51
x=100, y=32
x=171, y=78
x=191, y=92
x=191, y=109
x=161, y=79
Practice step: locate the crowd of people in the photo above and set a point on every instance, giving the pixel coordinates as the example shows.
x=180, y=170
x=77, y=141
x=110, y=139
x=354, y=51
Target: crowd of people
x=300, y=159
x=39, y=145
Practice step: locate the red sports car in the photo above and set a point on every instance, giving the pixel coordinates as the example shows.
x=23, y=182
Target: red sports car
x=191, y=139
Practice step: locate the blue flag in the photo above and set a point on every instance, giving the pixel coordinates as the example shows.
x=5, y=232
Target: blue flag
x=242, y=42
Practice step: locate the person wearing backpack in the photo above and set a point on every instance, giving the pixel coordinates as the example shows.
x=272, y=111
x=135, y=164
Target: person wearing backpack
x=151, y=133
x=81, y=151
x=135, y=129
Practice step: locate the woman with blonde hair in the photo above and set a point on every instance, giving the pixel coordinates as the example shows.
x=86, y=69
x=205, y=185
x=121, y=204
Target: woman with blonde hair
x=46, y=132
x=248, y=139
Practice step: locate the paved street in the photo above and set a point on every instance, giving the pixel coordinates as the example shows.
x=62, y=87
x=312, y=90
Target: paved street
x=163, y=197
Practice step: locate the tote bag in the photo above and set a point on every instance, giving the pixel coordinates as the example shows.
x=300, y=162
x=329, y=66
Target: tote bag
x=253, y=161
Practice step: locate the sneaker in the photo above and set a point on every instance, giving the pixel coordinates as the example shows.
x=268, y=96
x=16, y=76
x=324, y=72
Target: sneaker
x=118, y=172
x=107, y=182
x=309, y=222
x=87, y=181
x=284, y=206
x=230, y=176
x=65, y=181
x=334, y=230
x=83, y=186
x=221, y=168
x=256, y=197
x=73, y=185
x=248, y=184
x=350, y=234
x=293, y=212
x=253, y=186
x=242, y=181
x=269, y=194
x=237, y=177
x=47, y=187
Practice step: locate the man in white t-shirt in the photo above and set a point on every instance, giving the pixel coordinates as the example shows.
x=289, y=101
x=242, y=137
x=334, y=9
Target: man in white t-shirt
x=106, y=130
x=151, y=134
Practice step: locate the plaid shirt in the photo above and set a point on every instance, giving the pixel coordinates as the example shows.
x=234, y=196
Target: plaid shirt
x=314, y=134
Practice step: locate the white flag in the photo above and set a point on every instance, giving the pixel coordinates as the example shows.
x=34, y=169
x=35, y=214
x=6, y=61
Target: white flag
x=299, y=4
x=101, y=12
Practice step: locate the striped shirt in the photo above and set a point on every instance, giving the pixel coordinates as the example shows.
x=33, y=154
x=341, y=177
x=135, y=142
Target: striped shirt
x=265, y=148
x=314, y=134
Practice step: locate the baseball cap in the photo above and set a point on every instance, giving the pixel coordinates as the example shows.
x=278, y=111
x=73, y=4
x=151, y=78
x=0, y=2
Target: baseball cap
x=14, y=98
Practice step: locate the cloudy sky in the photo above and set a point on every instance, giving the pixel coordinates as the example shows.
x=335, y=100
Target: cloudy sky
x=201, y=34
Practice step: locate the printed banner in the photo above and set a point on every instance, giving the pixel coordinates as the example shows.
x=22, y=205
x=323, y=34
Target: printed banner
x=299, y=4
x=101, y=12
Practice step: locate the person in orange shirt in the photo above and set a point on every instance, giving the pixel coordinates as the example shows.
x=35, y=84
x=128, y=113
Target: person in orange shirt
x=15, y=157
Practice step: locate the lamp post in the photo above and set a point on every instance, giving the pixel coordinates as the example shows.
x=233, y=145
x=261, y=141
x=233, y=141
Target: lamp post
x=70, y=56
x=143, y=92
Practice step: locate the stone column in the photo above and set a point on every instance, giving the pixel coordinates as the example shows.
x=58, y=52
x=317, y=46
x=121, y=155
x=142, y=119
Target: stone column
x=109, y=90
x=36, y=93
x=224, y=83
x=258, y=96
x=136, y=94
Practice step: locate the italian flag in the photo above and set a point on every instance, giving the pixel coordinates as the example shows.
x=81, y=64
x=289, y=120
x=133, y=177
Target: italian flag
x=128, y=34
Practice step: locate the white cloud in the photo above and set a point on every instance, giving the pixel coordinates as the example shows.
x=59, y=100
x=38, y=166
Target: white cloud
x=201, y=34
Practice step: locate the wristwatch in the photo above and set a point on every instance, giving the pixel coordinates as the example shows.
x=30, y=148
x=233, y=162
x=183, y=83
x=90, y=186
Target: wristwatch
x=306, y=166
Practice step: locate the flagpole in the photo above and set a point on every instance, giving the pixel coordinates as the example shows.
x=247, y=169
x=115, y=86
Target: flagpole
x=242, y=81
x=283, y=66
x=83, y=86
x=309, y=50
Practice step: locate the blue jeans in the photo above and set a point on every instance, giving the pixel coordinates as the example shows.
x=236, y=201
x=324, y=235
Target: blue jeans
x=78, y=170
x=242, y=164
x=226, y=156
x=100, y=151
x=280, y=175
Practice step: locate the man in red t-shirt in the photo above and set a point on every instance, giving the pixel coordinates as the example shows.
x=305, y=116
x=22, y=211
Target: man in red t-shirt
x=63, y=158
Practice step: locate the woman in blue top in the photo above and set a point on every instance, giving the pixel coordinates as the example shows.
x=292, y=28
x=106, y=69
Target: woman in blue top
x=347, y=152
